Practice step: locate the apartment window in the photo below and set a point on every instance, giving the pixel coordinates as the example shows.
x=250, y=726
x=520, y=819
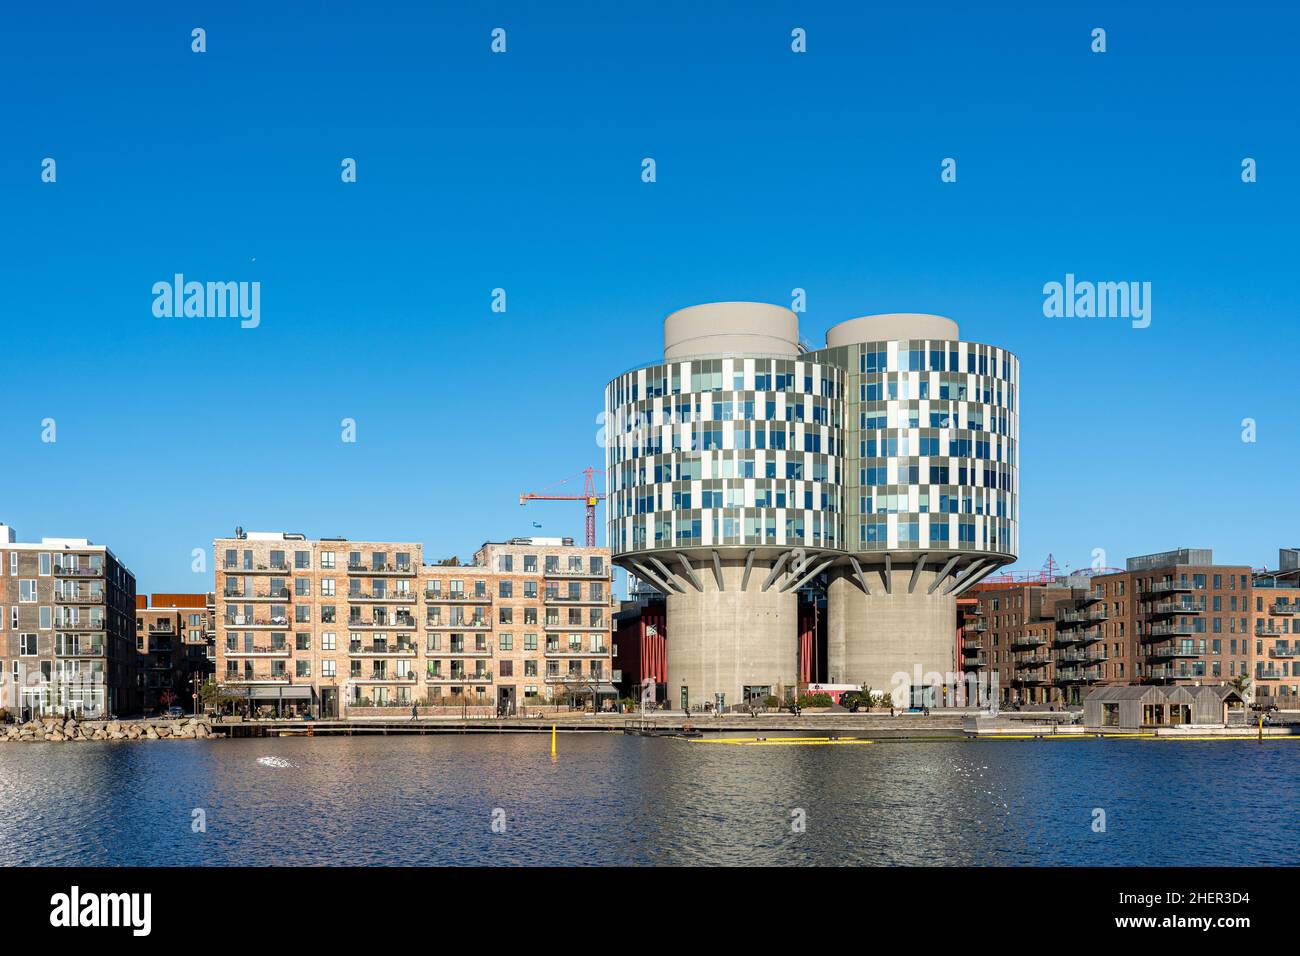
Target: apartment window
x=27, y=591
x=530, y=564
x=328, y=668
x=507, y=562
x=2, y=610
x=505, y=589
x=328, y=614
x=328, y=641
x=327, y=587
x=530, y=590
x=506, y=668
x=530, y=615
x=403, y=561
x=435, y=643
x=302, y=614
x=505, y=615
x=302, y=668
x=27, y=645
x=47, y=616
x=530, y=668
x=506, y=642
x=327, y=560
x=302, y=560
x=44, y=570
x=378, y=560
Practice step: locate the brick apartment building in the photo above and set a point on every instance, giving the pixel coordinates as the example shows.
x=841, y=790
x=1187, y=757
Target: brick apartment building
x=174, y=636
x=66, y=630
x=1170, y=618
x=330, y=625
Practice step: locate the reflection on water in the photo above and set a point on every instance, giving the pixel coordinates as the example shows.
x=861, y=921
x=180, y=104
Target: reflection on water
x=610, y=799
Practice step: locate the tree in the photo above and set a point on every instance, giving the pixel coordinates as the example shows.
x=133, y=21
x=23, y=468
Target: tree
x=1241, y=684
x=215, y=695
x=167, y=698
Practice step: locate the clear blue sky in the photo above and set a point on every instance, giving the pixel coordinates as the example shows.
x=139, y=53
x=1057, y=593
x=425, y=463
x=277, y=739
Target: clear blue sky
x=522, y=170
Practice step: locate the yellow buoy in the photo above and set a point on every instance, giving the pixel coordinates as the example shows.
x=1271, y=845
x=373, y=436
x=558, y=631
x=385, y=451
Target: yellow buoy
x=552, y=740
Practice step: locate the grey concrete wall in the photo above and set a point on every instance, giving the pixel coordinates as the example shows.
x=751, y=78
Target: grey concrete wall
x=721, y=641
x=871, y=638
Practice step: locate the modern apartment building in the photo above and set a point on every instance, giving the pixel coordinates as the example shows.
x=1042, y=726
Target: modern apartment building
x=174, y=636
x=330, y=625
x=881, y=470
x=1174, y=617
x=1276, y=632
x=67, y=635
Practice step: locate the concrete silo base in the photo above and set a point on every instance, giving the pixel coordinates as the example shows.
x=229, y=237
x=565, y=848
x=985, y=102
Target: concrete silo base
x=893, y=639
x=722, y=641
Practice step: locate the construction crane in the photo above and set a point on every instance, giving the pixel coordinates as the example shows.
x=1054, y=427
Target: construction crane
x=589, y=495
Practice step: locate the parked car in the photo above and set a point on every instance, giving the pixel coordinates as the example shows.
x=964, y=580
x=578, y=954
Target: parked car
x=175, y=712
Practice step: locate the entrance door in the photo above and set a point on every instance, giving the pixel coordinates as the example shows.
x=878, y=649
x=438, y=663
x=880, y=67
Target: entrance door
x=329, y=702
x=506, y=701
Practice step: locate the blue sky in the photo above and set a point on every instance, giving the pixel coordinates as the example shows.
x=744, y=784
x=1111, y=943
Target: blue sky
x=522, y=171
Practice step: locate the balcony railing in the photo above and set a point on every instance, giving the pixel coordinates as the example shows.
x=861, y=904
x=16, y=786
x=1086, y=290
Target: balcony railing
x=549, y=626
x=560, y=650
x=382, y=597
x=1170, y=649
x=1028, y=640
x=79, y=649
x=576, y=573
x=79, y=625
x=1171, y=587
x=395, y=624
x=473, y=625
x=456, y=597
x=1172, y=628
x=386, y=678
x=462, y=651
x=1284, y=652
x=1177, y=607
x=371, y=571
x=381, y=650
x=66, y=571
x=271, y=594
x=259, y=650
x=78, y=598
x=1282, y=607
x=239, y=620
x=1035, y=660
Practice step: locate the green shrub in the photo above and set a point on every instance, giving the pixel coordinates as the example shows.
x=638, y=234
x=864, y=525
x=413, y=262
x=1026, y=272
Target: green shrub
x=815, y=700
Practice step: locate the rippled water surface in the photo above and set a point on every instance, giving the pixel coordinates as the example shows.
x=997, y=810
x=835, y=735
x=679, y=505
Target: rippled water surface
x=610, y=799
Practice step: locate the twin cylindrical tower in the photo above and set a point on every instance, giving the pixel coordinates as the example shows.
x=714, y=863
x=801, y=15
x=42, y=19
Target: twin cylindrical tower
x=743, y=468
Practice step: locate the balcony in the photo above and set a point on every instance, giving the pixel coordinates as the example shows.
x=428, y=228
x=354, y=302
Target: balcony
x=975, y=627
x=91, y=625
x=1078, y=656
x=1268, y=674
x=972, y=643
x=1069, y=618
x=1170, y=629
x=1171, y=650
x=1282, y=607
x=1028, y=640
x=1284, y=652
x=161, y=630
x=388, y=570
x=282, y=568
x=456, y=597
x=474, y=625
x=979, y=660
x=1263, y=630
x=259, y=650
x=385, y=678
x=1176, y=607
x=79, y=648
x=382, y=597
x=575, y=627
x=1172, y=587
x=239, y=620
x=1034, y=660
x=67, y=571
x=395, y=624
x=358, y=649
x=278, y=594
x=78, y=598
x=559, y=650
x=1077, y=674
x=1031, y=677
x=1085, y=635
x=578, y=574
